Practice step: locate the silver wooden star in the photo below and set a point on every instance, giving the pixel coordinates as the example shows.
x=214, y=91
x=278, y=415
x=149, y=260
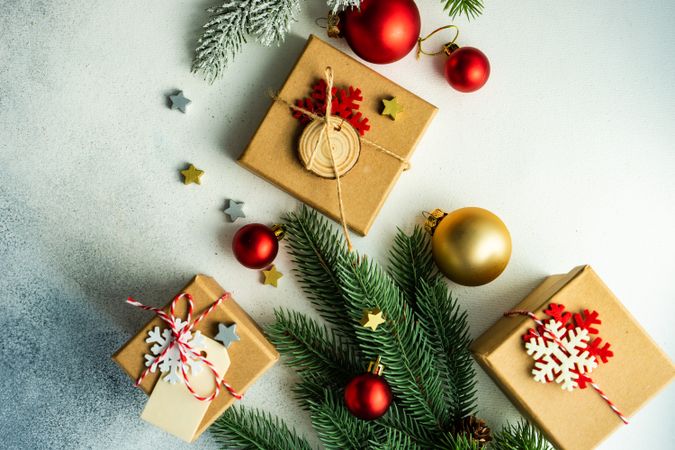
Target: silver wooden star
x=227, y=334
x=179, y=101
x=235, y=211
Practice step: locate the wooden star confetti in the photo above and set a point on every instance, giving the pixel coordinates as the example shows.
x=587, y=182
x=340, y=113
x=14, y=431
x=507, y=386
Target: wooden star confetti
x=234, y=210
x=227, y=334
x=272, y=276
x=179, y=102
x=391, y=108
x=192, y=175
x=372, y=318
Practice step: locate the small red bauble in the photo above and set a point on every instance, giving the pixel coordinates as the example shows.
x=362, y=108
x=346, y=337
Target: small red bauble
x=381, y=31
x=467, y=69
x=255, y=245
x=368, y=396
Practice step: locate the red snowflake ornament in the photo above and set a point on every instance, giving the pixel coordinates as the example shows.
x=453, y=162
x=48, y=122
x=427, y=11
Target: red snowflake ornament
x=566, y=347
x=345, y=104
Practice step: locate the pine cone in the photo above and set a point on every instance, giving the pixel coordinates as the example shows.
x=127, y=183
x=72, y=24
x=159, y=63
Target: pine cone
x=474, y=428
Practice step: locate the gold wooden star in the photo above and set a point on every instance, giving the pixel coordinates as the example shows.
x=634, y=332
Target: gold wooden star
x=272, y=276
x=192, y=175
x=391, y=108
x=372, y=318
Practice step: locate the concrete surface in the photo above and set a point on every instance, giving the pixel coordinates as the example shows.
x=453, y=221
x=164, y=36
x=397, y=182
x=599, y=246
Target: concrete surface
x=571, y=142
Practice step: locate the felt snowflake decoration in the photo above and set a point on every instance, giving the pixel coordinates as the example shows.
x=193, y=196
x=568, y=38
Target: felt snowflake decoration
x=566, y=348
x=345, y=104
x=171, y=364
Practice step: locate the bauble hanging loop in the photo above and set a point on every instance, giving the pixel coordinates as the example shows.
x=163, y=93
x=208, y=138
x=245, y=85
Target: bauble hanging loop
x=332, y=25
x=467, y=69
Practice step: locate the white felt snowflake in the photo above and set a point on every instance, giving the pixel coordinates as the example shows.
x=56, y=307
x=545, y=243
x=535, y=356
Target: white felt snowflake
x=561, y=363
x=171, y=363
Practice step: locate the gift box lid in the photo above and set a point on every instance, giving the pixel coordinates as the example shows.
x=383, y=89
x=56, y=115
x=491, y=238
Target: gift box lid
x=273, y=155
x=580, y=419
x=250, y=357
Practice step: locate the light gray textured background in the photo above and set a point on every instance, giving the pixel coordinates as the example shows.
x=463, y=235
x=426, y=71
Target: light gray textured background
x=571, y=142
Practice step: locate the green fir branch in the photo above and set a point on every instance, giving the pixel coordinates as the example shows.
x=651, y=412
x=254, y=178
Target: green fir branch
x=310, y=347
x=309, y=391
x=242, y=429
x=398, y=419
x=337, y=428
x=447, y=328
x=394, y=440
x=467, y=8
x=458, y=442
x=315, y=247
x=402, y=345
x=522, y=436
x=411, y=263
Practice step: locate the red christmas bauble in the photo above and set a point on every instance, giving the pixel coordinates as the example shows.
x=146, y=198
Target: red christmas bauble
x=368, y=396
x=255, y=245
x=382, y=31
x=467, y=69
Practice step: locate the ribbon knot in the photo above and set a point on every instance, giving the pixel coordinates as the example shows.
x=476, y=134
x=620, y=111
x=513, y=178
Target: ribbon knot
x=181, y=333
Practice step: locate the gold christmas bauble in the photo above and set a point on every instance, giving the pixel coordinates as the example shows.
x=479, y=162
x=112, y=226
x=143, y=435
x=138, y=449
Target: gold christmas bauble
x=471, y=246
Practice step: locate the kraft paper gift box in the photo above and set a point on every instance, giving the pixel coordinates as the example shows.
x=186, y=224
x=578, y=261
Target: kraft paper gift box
x=250, y=357
x=273, y=151
x=579, y=419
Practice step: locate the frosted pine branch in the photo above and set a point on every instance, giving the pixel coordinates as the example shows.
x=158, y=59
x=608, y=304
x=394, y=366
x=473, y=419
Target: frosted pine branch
x=270, y=20
x=223, y=37
x=340, y=5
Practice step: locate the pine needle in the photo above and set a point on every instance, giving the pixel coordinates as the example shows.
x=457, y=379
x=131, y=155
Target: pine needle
x=467, y=8
x=402, y=345
x=239, y=428
x=447, y=328
x=315, y=247
x=337, y=427
x=410, y=262
x=522, y=436
x=310, y=347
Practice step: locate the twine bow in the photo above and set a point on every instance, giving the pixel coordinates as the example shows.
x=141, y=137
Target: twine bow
x=180, y=333
x=325, y=134
x=547, y=335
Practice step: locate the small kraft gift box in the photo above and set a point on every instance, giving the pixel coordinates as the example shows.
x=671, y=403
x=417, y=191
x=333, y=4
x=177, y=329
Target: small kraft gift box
x=195, y=358
x=569, y=347
x=348, y=171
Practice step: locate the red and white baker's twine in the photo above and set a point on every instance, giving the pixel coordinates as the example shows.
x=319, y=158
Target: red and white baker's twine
x=179, y=333
x=552, y=337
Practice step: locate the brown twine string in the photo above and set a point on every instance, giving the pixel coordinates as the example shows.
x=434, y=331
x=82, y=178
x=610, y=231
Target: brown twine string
x=326, y=132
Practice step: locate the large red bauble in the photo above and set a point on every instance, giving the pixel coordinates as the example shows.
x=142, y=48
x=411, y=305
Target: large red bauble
x=255, y=245
x=368, y=396
x=467, y=69
x=382, y=31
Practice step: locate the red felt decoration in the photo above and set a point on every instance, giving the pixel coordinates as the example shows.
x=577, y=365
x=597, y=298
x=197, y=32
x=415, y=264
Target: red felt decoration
x=255, y=245
x=345, y=104
x=368, y=396
x=382, y=31
x=566, y=350
x=570, y=323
